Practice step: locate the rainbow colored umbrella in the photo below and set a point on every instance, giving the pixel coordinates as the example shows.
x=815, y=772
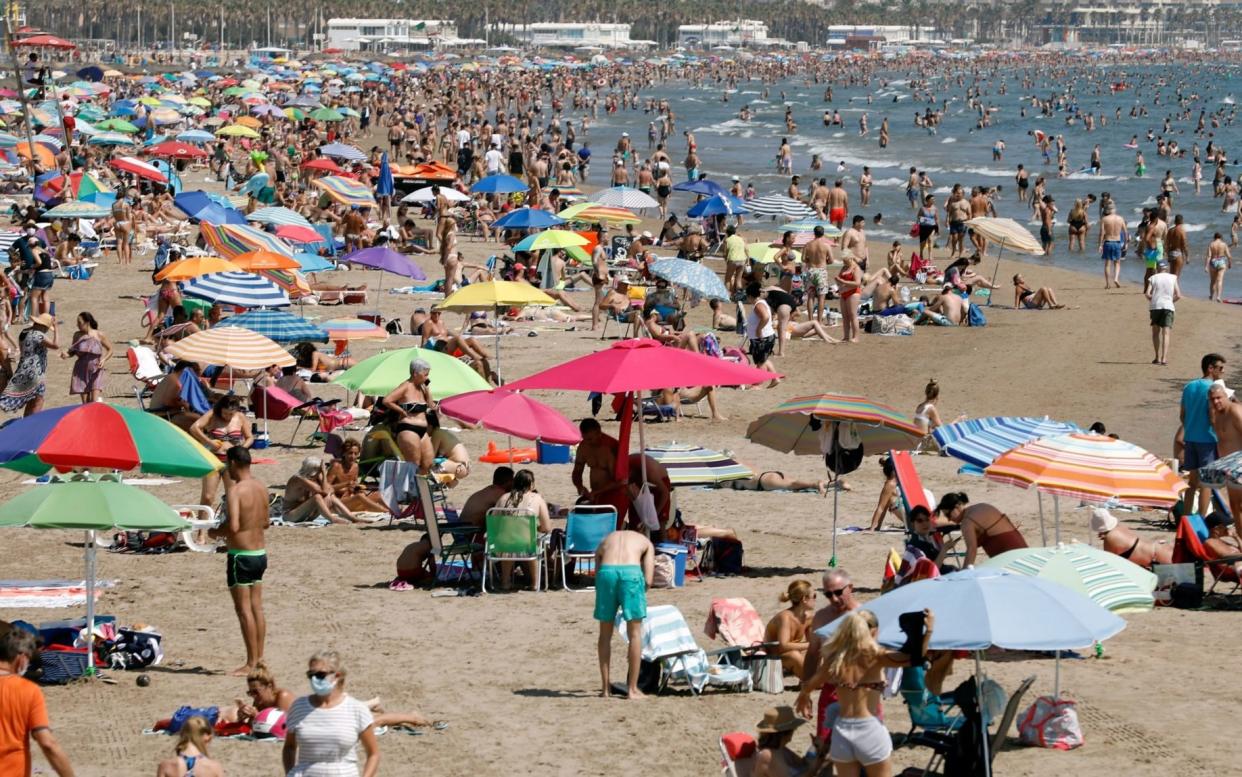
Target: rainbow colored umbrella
x=232, y=240
x=102, y=436
x=346, y=191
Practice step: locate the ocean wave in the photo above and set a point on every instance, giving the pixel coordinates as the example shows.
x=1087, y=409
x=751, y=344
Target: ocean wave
x=884, y=234
x=1196, y=227
x=838, y=134
x=941, y=190
x=949, y=140
x=889, y=182
x=985, y=171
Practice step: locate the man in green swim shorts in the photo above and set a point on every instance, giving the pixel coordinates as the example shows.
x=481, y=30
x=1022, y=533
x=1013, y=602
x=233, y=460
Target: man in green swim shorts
x=243, y=532
x=624, y=563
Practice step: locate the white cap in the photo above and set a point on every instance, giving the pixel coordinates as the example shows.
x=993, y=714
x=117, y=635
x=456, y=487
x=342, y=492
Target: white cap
x=1102, y=521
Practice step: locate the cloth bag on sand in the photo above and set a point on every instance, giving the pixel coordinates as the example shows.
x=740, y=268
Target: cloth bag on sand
x=644, y=506
x=1051, y=723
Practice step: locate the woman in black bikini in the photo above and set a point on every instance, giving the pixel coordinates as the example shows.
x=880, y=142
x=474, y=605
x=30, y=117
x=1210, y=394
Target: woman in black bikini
x=411, y=401
x=1033, y=299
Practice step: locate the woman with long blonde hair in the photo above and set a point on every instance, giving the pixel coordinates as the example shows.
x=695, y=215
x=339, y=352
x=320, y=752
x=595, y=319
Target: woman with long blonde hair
x=790, y=628
x=854, y=662
x=191, y=753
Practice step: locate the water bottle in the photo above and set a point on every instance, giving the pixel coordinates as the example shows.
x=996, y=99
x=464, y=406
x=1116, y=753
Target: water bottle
x=905, y=294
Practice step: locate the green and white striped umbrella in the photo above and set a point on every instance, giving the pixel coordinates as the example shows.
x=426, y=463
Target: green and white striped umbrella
x=1107, y=579
x=694, y=465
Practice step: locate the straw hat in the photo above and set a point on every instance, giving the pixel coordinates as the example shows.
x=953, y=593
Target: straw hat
x=779, y=719
x=1102, y=521
x=43, y=319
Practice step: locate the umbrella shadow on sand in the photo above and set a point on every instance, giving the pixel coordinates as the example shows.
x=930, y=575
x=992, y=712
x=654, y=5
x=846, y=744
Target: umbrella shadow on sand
x=784, y=572
x=549, y=693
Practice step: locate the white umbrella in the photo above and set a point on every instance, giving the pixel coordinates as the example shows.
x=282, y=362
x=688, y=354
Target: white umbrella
x=425, y=195
x=625, y=197
x=1010, y=234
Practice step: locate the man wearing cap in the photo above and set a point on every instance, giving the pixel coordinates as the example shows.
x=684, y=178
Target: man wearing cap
x=1226, y=416
x=1162, y=290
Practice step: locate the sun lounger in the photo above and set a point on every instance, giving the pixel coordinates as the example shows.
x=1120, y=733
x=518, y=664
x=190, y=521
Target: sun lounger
x=667, y=641
x=585, y=528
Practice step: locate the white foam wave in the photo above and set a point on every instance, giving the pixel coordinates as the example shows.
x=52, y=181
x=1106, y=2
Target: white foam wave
x=949, y=140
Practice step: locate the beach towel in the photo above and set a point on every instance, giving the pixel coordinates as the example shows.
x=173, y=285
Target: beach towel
x=47, y=594
x=192, y=392
x=735, y=621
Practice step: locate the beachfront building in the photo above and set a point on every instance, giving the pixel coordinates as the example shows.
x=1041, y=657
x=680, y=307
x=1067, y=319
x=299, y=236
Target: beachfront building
x=735, y=33
x=389, y=34
x=572, y=35
x=872, y=37
x=1174, y=23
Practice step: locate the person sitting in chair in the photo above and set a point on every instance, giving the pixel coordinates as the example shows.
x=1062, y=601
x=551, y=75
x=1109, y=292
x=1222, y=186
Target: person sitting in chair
x=1221, y=541
x=343, y=477
x=789, y=628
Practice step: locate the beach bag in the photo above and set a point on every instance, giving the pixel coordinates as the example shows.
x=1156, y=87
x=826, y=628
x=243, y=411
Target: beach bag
x=644, y=507
x=134, y=649
x=767, y=675
x=1051, y=723
x=210, y=714
x=846, y=451
x=664, y=571
x=974, y=316
x=726, y=556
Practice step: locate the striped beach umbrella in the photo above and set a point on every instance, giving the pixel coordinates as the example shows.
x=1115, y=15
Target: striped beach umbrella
x=552, y=238
x=129, y=164
x=230, y=240
x=278, y=326
x=1089, y=467
x=790, y=428
x=341, y=329
x=279, y=216
x=779, y=206
x=699, y=279
x=1107, y=579
x=1225, y=471
x=243, y=289
x=343, y=151
x=625, y=197
x=694, y=465
x=612, y=215
x=231, y=346
x=346, y=191
x=979, y=441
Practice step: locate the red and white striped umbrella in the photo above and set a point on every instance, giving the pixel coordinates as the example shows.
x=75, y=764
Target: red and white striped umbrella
x=139, y=168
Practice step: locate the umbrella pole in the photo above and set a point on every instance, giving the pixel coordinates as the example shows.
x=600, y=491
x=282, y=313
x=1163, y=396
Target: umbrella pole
x=379, y=298
x=996, y=271
x=90, y=603
x=836, y=492
x=1056, y=686
x=642, y=441
x=496, y=326
x=1056, y=517
x=1043, y=532
x=979, y=678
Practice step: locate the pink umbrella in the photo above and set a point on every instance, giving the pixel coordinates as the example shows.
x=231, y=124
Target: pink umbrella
x=505, y=411
x=298, y=233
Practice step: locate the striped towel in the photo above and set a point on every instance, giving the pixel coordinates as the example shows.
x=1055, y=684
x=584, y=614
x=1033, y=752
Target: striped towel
x=47, y=594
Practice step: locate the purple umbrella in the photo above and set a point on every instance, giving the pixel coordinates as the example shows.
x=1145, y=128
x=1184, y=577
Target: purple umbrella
x=267, y=109
x=387, y=260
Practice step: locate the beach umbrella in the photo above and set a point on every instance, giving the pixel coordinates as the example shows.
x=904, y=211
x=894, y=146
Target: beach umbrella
x=1008, y=234
x=102, y=436
x=38, y=153
x=44, y=41
x=77, y=209
x=325, y=164
x=805, y=426
x=243, y=289
x=765, y=253
x=277, y=326
x=192, y=267
x=346, y=191
x=1114, y=583
x=979, y=441
x=516, y=415
x=779, y=206
x=499, y=183
x=312, y=262
x=343, y=151
x=176, y=149
x=527, y=218
x=494, y=296
x=279, y=216
x=195, y=136
x=111, y=139
x=204, y=207
x=694, y=465
x=717, y=205
x=231, y=346
x=90, y=506
x=452, y=195
x=260, y=260
x=985, y=607
x=603, y=213
x=384, y=185
x=694, y=276
x=116, y=125
x=298, y=234
x=237, y=131
x=380, y=374
x=385, y=259
x=552, y=238
x=129, y=164
x=703, y=186
x=625, y=197
x=1091, y=468
x=326, y=114
x=343, y=329
x=230, y=240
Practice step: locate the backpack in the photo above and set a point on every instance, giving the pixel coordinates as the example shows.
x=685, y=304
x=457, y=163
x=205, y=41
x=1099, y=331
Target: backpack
x=726, y=556
x=974, y=316
x=1051, y=723
x=841, y=459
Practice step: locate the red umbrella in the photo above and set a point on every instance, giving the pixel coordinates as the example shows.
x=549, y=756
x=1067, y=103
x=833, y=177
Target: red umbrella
x=49, y=41
x=139, y=168
x=514, y=414
x=177, y=150
x=323, y=163
x=298, y=233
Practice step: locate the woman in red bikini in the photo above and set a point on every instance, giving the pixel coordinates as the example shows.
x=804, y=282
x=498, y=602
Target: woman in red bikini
x=849, y=284
x=982, y=525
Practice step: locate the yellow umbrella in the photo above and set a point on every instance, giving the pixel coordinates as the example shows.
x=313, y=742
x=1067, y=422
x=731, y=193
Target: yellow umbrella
x=148, y=101
x=1008, y=234
x=495, y=295
x=762, y=252
x=237, y=131
x=192, y=268
x=552, y=238
x=231, y=346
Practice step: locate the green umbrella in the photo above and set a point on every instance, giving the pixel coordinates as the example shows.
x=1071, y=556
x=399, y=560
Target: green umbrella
x=117, y=125
x=382, y=373
x=91, y=506
x=1107, y=579
x=326, y=114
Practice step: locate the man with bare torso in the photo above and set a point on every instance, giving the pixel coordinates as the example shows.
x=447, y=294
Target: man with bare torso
x=624, y=566
x=437, y=336
x=1112, y=245
x=243, y=533
x=1176, y=247
x=854, y=241
x=950, y=305
x=838, y=204
x=980, y=205
x=838, y=590
x=958, y=210
x=1226, y=416
x=598, y=452
x=816, y=256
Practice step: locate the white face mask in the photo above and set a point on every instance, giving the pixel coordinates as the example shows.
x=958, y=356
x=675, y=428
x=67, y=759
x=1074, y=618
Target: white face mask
x=322, y=687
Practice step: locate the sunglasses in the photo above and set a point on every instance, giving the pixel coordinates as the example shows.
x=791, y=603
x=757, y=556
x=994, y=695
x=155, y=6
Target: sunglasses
x=319, y=675
x=839, y=592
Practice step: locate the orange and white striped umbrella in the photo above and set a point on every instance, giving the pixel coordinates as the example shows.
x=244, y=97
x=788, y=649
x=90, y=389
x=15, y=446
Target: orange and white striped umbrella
x=610, y=214
x=231, y=346
x=1090, y=467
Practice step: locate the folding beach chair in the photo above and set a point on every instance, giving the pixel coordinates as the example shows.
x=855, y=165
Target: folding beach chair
x=1188, y=548
x=909, y=484
x=398, y=485
x=738, y=624
x=513, y=536
x=942, y=743
x=462, y=545
x=585, y=528
x=735, y=747
x=144, y=366
x=668, y=642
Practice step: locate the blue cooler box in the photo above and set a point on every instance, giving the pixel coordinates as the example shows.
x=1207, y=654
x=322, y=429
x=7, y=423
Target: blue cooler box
x=678, y=552
x=548, y=453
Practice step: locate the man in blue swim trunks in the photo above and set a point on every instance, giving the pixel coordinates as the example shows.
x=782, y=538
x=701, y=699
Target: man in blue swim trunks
x=624, y=564
x=1198, y=435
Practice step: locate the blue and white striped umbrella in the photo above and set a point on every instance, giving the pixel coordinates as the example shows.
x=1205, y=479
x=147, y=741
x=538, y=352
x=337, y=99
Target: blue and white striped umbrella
x=343, y=151
x=111, y=139
x=244, y=289
x=980, y=441
x=779, y=206
x=625, y=197
x=280, y=217
x=691, y=275
x=278, y=325
x=50, y=141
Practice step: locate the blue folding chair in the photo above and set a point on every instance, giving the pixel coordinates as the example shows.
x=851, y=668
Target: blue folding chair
x=585, y=528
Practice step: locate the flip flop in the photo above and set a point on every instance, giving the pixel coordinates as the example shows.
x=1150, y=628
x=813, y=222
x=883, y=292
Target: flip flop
x=400, y=585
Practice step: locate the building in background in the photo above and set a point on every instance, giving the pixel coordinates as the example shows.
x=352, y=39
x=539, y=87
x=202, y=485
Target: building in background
x=389, y=34
x=737, y=33
x=872, y=37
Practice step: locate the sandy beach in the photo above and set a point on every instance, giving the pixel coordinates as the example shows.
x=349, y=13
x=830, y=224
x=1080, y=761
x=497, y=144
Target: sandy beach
x=515, y=674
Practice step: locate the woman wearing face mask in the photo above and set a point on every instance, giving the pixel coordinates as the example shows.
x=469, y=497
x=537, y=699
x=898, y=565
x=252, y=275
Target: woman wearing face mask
x=324, y=728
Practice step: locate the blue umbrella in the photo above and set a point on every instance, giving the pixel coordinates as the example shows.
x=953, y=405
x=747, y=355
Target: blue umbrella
x=979, y=441
x=313, y=262
x=278, y=325
x=691, y=275
x=717, y=205
x=499, y=184
x=201, y=206
x=237, y=288
x=342, y=151
x=195, y=136
x=280, y=216
x=384, y=186
x=528, y=218
x=702, y=186
x=91, y=73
